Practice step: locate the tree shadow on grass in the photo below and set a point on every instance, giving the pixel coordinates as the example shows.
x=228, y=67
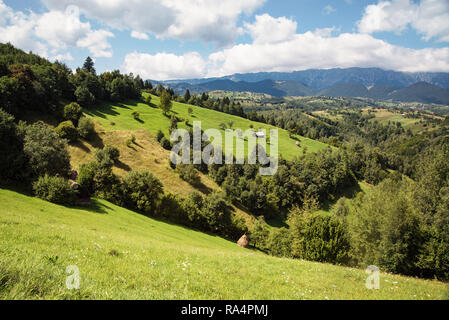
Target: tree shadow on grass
x=123, y=166
x=203, y=188
x=96, y=141
x=81, y=145
x=106, y=109
x=94, y=206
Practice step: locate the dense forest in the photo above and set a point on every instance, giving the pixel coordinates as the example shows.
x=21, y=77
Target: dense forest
x=401, y=225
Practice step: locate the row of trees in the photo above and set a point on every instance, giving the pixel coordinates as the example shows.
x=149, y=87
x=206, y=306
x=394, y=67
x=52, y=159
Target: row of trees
x=30, y=83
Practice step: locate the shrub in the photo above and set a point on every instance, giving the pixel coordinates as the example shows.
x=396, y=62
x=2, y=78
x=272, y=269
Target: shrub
x=130, y=141
x=86, y=128
x=148, y=99
x=46, y=151
x=54, y=189
x=98, y=180
x=159, y=136
x=108, y=156
x=325, y=240
x=12, y=158
x=165, y=143
x=135, y=115
x=142, y=191
x=73, y=112
x=189, y=174
x=279, y=243
x=66, y=130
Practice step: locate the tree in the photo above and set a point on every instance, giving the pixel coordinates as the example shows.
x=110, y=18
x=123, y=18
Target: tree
x=46, y=151
x=84, y=97
x=12, y=158
x=148, y=99
x=73, y=112
x=89, y=65
x=189, y=174
x=66, y=130
x=54, y=189
x=142, y=191
x=190, y=111
x=86, y=128
x=187, y=96
x=165, y=102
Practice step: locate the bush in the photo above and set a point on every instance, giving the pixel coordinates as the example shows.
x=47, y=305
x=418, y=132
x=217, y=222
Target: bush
x=325, y=240
x=54, y=189
x=159, y=136
x=108, y=156
x=47, y=153
x=135, y=115
x=130, y=141
x=142, y=191
x=279, y=243
x=12, y=158
x=95, y=179
x=165, y=144
x=189, y=174
x=66, y=130
x=86, y=128
x=73, y=112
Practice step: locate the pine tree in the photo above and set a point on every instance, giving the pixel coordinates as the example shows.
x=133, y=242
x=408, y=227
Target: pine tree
x=187, y=96
x=89, y=65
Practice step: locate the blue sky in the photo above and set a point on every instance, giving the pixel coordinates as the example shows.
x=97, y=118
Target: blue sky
x=174, y=39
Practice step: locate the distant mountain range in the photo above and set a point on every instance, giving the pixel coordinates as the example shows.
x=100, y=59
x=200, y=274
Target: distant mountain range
x=353, y=82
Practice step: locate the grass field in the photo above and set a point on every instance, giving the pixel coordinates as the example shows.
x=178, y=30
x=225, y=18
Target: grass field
x=123, y=255
x=118, y=117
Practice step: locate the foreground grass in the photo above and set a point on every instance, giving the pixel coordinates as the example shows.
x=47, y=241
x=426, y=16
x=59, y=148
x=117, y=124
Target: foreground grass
x=123, y=255
x=119, y=117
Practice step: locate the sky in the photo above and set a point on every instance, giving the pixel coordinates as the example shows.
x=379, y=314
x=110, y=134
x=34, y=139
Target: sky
x=184, y=39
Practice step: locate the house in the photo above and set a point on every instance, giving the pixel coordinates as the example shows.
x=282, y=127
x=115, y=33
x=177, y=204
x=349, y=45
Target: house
x=259, y=135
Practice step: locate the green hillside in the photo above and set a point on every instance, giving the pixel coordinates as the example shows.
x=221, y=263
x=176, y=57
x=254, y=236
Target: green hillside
x=124, y=255
x=119, y=117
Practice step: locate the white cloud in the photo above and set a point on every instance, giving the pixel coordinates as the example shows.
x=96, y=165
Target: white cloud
x=205, y=20
x=430, y=18
x=284, y=50
x=139, y=35
x=97, y=43
x=61, y=30
x=165, y=66
x=321, y=50
x=267, y=29
x=62, y=57
x=52, y=32
x=328, y=9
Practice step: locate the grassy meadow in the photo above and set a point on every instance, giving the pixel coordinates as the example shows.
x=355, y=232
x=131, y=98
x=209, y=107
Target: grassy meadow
x=119, y=117
x=124, y=255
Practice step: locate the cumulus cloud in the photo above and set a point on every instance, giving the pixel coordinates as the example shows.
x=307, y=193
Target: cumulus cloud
x=321, y=49
x=205, y=20
x=267, y=29
x=97, y=43
x=48, y=33
x=430, y=18
x=139, y=35
x=165, y=66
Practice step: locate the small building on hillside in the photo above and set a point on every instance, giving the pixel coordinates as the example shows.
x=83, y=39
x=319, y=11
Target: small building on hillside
x=259, y=135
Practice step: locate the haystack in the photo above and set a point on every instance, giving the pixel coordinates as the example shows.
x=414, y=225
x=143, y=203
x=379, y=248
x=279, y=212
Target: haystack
x=243, y=241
